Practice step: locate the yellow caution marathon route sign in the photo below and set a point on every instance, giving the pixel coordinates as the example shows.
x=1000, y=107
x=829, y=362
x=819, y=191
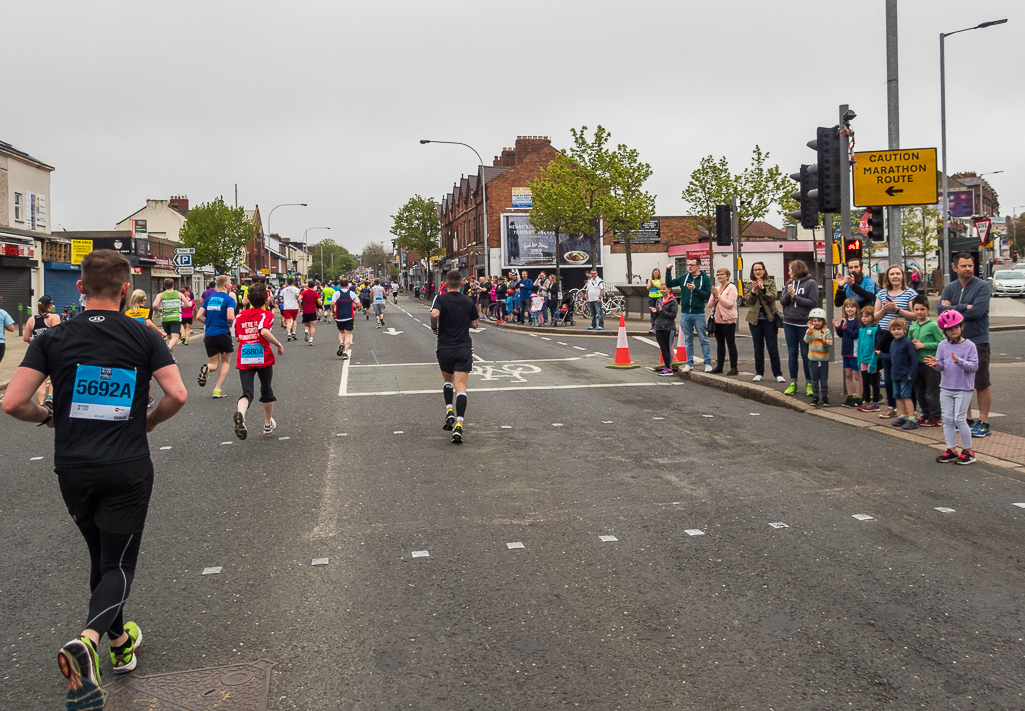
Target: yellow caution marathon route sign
x=904, y=176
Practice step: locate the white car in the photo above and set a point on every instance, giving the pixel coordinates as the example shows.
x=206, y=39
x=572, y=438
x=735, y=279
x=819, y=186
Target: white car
x=1008, y=282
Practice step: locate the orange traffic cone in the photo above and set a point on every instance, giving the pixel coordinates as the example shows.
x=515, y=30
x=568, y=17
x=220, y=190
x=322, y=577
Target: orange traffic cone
x=623, y=361
x=681, y=351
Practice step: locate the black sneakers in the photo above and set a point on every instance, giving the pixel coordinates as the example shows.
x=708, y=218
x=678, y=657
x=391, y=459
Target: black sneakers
x=949, y=456
x=457, y=433
x=450, y=420
x=967, y=456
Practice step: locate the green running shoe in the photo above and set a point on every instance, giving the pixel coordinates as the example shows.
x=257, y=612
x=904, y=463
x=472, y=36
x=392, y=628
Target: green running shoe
x=125, y=660
x=80, y=665
x=791, y=389
x=808, y=391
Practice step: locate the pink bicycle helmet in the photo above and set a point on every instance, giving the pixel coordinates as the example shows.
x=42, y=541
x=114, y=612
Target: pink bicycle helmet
x=949, y=319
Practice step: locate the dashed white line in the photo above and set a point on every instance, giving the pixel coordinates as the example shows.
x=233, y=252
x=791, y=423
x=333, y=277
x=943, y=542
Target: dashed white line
x=580, y=348
x=421, y=554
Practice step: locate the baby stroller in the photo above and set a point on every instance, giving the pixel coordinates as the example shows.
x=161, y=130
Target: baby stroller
x=565, y=314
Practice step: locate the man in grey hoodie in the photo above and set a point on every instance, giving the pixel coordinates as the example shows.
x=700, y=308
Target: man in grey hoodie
x=970, y=296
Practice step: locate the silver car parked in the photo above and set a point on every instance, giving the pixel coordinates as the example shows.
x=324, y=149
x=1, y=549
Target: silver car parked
x=1008, y=282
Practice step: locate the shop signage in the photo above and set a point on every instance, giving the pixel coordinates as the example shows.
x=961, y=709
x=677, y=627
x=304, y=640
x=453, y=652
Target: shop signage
x=80, y=248
x=649, y=233
x=523, y=246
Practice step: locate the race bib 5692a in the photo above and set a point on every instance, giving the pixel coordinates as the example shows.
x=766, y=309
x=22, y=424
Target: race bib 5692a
x=102, y=393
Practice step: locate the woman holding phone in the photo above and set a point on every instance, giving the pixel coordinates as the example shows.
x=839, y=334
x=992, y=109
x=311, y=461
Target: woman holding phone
x=891, y=301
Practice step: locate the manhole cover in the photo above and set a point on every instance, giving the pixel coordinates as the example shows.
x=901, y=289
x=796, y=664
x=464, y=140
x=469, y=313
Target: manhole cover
x=240, y=687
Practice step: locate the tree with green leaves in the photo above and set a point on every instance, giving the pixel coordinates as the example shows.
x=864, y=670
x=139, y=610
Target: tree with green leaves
x=337, y=260
x=376, y=257
x=757, y=188
x=558, y=204
x=416, y=226
x=218, y=233
x=921, y=232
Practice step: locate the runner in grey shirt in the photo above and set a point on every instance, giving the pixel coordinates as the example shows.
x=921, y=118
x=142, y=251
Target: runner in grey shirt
x=380, y=296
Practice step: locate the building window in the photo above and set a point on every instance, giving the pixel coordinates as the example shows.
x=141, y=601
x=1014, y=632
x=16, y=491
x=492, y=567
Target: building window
x=18, y=217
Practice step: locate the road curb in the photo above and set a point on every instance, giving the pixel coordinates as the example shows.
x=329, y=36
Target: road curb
x=768, y=396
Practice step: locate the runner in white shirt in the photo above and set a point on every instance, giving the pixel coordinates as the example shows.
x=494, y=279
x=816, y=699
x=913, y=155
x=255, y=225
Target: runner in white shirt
x=290, y=308
x=380, y=297
x=395, y=291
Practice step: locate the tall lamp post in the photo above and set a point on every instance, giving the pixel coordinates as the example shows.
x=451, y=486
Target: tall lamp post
x=321, y=249
x=1014, y=227
x=484, y=201
x=943, y=144
x=284, y=204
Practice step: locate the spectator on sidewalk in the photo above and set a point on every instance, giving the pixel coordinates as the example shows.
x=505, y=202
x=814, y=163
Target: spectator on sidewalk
x=800, y=296
x=892, y=301
x=724, y=314
x=957, y=359
x=903, y=370
x=654, y=287
x=848, y=328
x=6, y=325
x=763, y=319
x=553, y=298
x=855, y=285
x=969, y=296
x=820, y=346
x=925, y=335
x=868, y=361
x=695, y=289
x=595, y=289
x=665, y=312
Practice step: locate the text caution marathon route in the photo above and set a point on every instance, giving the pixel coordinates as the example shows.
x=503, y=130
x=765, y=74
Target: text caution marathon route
x=897, y=177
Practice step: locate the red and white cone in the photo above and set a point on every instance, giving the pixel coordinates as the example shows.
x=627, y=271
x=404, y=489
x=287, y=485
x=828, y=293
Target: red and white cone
x=622, y=361
x=681, y=351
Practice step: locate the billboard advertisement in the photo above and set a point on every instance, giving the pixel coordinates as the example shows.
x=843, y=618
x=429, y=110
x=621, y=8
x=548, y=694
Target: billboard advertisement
x=522, y=198
x=523, y=246
x=962, y=202
x=649, y=233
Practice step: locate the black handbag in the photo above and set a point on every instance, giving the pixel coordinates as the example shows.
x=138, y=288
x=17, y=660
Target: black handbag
x=710, y=326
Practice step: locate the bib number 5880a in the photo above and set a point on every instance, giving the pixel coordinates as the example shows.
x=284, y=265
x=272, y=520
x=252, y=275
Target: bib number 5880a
x=103, y=388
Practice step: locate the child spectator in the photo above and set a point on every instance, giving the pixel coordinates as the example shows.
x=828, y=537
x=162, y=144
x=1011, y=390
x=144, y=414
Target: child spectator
x=820, y=343
x=868, y=361
x=903, y=370
x=848, y=328
x=956, y=359
x=925, y=335
x=537, y=302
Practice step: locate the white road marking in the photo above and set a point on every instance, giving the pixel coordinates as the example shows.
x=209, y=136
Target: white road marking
x=694, y=532
x=522, y=387
x=477, y=358
x=398, y=432
x=392, y=332
x=650, y=342
x=211, y=571
x=320, y=561
x=35, y=459
x=779, y=524
x=223, y=443
x=1020, y=506
x=863, y=517
x=506, y=427
x=708, y=415
x=426, y=325
x=754, y=414
x=344, y=385
x=556, y=424
x=283, y=438
x=164, y=448
x=608, y=539
x=561, y=343
x=580, y=348
x=421, y=554
x=476, y=330
x=944, y=509
x=517, y=544
x=532, y=335
x=545, y=338
x=658, y=418
x=342, y=434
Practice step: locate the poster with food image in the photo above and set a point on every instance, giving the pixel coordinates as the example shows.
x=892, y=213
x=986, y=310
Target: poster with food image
x=523, y=246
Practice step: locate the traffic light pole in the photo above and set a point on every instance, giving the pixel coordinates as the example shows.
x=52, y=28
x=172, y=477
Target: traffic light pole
x=735, y=232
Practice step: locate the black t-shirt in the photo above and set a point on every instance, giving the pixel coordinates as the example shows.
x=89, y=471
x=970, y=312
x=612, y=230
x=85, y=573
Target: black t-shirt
x=100, y=364
x=458, y=312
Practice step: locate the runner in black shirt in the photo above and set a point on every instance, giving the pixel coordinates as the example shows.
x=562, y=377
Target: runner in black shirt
x=101, y=364
x=452, y=316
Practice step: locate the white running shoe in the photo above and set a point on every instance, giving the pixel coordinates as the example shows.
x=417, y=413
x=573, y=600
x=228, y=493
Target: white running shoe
x=686, y=369
x=708, y=369
x=780, y=379
x=757, y=378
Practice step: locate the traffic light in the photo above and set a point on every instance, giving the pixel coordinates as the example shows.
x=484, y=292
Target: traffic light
x=852, y=249
x=827, y=152
x=876, y=224
x=723, y=228
x=807, y=196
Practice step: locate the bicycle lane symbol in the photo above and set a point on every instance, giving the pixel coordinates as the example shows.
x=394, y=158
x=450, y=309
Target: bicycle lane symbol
x=515, y=371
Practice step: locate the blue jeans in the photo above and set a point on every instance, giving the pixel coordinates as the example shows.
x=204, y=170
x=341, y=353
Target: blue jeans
x=795, y=345
x=689, y=323
x=594, y=308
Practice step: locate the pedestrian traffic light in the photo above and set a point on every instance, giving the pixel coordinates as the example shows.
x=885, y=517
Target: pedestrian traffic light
x=723, y=228
x=827, y=152
x=852, y=249
x=876, y=229
x=807, y=196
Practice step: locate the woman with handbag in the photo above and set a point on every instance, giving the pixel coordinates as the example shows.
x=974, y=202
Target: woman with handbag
x=763, y=318
x=724, y=315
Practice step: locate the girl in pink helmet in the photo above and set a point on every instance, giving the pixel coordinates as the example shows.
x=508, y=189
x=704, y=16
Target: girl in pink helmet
x=957, y=359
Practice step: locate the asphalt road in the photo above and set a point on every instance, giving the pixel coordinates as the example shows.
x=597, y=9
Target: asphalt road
x=913, y=608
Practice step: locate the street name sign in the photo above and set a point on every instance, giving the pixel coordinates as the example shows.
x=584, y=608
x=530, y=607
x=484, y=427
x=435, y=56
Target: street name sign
x=184, y=250
x=903, y=176
x=184, y=271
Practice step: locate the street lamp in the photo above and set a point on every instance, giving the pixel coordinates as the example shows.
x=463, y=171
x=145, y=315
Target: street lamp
x=943, y=144
x=284, y=204
x=321, y=248
x=484, y=202
x=992, y=172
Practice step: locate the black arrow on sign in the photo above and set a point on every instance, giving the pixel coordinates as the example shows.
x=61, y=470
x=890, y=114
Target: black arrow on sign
x=891, y=190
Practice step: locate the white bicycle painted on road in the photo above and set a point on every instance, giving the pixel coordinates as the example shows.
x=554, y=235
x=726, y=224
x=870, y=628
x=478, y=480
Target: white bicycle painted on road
x=515, y=371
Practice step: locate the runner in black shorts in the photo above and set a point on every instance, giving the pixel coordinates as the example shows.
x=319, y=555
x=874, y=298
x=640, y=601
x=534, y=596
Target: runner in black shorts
x=101, y=365
x=452, y=316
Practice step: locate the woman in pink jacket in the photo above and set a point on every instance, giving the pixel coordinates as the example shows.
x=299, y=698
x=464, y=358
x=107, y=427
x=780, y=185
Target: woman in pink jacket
x=723, y=304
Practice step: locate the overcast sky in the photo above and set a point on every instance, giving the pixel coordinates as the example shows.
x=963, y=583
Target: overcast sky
x=324, y=102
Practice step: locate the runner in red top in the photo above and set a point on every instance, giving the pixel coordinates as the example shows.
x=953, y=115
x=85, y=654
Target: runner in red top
x=309, y=302
x=255, y=358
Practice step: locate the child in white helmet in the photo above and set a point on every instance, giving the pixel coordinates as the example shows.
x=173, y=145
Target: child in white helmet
x=820, y=343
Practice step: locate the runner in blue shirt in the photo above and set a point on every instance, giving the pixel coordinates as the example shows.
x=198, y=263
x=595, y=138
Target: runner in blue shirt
x=217, y=312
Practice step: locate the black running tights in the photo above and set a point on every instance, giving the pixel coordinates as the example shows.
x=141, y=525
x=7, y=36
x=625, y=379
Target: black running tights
x=112, y=559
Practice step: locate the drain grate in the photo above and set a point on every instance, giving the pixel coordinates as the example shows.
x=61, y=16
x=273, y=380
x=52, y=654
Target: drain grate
x=239, y=687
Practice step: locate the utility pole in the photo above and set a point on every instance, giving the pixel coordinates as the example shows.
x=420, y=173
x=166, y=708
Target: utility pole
x=893, y=214
x=735, y=233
